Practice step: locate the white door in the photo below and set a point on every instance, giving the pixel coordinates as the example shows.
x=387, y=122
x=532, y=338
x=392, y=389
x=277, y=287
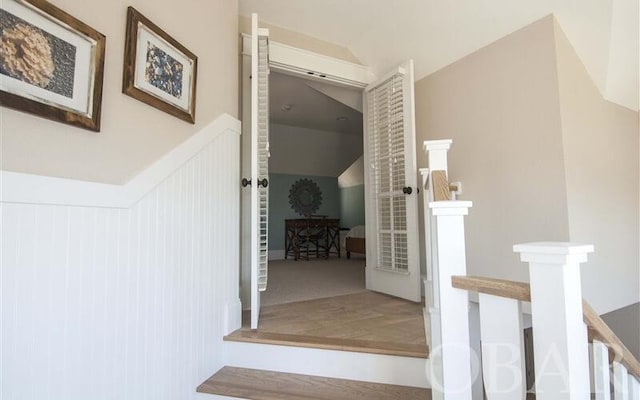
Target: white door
x=392, y=186
x=259, y=164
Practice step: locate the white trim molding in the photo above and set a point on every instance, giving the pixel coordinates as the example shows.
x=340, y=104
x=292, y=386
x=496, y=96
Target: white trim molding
x=313, y=65
x=233, y=316
x=35, y=189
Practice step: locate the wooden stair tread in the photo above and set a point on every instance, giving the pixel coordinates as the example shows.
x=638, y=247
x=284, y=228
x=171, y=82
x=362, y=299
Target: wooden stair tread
x=269, y=385
x=327, y=343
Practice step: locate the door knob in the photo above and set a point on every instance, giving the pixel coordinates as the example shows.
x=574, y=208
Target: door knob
x=407, y=190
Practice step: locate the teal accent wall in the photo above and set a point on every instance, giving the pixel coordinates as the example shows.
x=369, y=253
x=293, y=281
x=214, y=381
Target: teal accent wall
x=280, y=209
x=352, y=206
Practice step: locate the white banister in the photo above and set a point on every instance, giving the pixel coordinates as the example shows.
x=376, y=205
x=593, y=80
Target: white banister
x=451, y=363
x=600, y=373
x=620, y=382
x=431, y=294
x=432, y=302
x=560, y=340
x=502, y=335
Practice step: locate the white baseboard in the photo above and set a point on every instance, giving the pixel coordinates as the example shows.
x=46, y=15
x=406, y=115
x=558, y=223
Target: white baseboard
x=233, y=316
x=276, y=255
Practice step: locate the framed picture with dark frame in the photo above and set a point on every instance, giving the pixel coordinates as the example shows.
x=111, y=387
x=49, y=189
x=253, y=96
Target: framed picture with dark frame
x=51, y=64
x=158, y=70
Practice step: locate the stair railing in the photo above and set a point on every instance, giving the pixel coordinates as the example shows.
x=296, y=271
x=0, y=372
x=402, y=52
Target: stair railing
x=500, y=305
x=576, y=355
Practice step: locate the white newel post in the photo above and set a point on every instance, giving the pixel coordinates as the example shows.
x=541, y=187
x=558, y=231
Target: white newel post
x=436, y=151
x=451, y=376
x=561, y=351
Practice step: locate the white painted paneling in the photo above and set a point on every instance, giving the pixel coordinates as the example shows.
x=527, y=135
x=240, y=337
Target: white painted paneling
x=123, y=303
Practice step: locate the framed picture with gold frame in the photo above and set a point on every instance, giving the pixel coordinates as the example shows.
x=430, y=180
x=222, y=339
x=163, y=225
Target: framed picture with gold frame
x=51, y=64
x=158, y=70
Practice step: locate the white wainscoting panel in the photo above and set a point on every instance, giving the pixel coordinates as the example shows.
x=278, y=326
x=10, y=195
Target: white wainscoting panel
x=123, y=303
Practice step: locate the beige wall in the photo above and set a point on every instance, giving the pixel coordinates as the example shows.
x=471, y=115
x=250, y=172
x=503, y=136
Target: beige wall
x=542, y=156
x=133, y=134
x=601, y=168
x=500, y=106
x=299, y=40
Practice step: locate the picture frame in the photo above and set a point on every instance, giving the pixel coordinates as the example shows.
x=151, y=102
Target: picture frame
x=157, y=69
x=51, y=64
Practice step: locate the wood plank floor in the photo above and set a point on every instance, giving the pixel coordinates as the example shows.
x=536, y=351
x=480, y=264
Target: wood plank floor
x=268, y=385
x=366, y=322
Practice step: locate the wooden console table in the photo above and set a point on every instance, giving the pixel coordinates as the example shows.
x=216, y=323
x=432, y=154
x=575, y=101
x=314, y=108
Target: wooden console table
x=304, y=236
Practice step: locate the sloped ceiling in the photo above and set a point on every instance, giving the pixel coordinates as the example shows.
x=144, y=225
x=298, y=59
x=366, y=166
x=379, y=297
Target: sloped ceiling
x=299, y=102
x=435, y=33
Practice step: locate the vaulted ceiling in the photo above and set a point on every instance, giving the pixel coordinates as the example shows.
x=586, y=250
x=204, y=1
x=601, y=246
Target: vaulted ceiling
x=435, y=33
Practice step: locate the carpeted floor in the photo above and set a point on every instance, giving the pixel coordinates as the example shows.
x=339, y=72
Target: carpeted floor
x=291, y=281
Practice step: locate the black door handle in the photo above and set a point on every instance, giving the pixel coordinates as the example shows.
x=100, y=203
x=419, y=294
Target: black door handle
x=246, y=182
x=407, y=190
x=263, y=182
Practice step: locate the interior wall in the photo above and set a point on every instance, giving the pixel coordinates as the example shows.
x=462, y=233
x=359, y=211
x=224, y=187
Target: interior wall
x=601, y=146
x=280, y=209
x=352, y=206
x=299, y=40
x=625, y=323
x=500, y=106
x=133, y=134
x=351, y=183
x=123, y=303
x=304, y=151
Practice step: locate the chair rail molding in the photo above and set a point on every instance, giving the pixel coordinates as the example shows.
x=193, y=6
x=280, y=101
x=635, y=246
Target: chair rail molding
x=24, y=188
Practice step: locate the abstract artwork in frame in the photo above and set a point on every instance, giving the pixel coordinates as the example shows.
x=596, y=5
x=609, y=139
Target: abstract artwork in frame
x=51, y=64
x=157, y=69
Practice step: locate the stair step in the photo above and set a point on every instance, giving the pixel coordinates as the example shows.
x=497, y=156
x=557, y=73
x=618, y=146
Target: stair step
x=362, y=346
x=382, y=368
x=256, y=384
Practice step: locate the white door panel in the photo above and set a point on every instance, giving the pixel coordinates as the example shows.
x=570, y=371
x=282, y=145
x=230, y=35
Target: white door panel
x=392, y=186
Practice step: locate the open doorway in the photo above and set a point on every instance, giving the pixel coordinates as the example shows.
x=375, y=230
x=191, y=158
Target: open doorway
x=389, y=165
x=316, y=190
x=388, y=148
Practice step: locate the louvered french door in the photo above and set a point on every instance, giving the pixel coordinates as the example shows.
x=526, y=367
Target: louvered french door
x=392, y=191
x=259, y=165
